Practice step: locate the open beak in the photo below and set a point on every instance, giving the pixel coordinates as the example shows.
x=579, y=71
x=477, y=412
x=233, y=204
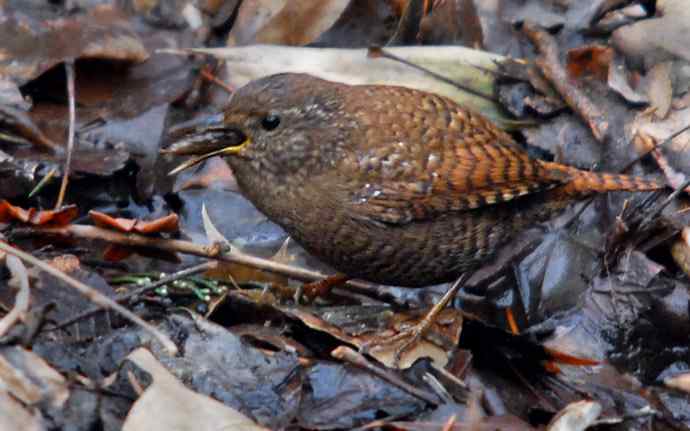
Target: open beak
x=204, y=138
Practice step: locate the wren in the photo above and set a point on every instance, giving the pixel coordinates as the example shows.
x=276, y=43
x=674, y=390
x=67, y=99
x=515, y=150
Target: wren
x=387, y=184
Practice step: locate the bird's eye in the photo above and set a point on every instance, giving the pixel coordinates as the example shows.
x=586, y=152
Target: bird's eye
x=270, y=122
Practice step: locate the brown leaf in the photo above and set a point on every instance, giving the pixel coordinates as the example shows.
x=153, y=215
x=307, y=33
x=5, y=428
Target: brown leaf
x=116, y=253
x=106, y=221
x=10, y=212
x=32, y=45
x=169, y=223
x=589, y=60
x=60, y=217
x=296, y=22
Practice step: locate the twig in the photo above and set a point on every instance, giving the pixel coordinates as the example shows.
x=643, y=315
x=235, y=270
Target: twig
x=187, y=247
x=49, y=176
x=347, y=354
x=657, y=211
x=139, y=291
x=207, y=75
x=408, y=26
x=556, y=74
x=450, y=423
x=377, y=52
x=21, y=300
x=69, y=70
x=656, y=146
x=92, y=295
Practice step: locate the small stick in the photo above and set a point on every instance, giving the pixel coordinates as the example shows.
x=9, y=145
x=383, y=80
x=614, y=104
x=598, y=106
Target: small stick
x=376, y=52
x=188, y=247
x=648, y=219
x=214, y=79
x=69, y=70
x=139, y=291
x=654, y=147
x=556, y=74
x=92, y=295
x=353, y=357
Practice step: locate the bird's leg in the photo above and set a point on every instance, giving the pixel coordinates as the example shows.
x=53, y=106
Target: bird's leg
x=311, y=291
x=412, y=335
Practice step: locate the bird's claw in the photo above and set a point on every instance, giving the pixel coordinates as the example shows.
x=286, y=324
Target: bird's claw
x=402, y=342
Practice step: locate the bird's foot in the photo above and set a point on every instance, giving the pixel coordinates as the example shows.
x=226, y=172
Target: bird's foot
x=407, y=338
x=402, y=342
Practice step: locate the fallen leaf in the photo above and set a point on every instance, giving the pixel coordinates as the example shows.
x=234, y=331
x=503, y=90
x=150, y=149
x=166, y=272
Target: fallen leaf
x=281, y=22
x=589, y=60
x=53, y=218
x=577, y=416
x=167, y=224
x=32, y=45
x=168, y=405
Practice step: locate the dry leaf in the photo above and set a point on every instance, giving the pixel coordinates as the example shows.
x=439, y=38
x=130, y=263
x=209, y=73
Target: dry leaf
x=168, y=405
x=53, y=218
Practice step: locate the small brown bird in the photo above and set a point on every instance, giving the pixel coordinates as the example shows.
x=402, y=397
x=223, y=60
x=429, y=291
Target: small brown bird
x=387, y=184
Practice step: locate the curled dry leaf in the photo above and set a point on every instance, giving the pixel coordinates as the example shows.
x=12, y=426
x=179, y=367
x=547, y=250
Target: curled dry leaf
x=53, y=218
x=116, y=253
x=167, y=224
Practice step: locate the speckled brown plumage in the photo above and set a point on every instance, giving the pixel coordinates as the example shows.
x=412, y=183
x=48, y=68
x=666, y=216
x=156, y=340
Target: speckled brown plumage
x=388, y=184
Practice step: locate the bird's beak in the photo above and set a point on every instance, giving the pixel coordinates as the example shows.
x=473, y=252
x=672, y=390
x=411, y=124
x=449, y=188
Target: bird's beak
x=205, y=138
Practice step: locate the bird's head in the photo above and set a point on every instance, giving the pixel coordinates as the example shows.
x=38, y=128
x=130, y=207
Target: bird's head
x=282, y=125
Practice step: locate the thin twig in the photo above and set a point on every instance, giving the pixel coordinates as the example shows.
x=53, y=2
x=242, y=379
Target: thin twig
x=657, y=211
x=45, y=180
x=21, y=299
x=187, y=247
x=656, y=146
x=69, y=70
x=379, y=52
x=207, y=75
x=450, y=423
x=557, y=76
x=92, y=295
x=349, y=355
x=139, y=291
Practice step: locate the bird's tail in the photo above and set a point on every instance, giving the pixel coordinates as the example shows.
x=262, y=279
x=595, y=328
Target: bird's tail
x=578, y=182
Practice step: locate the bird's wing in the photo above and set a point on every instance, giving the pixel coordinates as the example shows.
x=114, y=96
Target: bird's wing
x=441, y=159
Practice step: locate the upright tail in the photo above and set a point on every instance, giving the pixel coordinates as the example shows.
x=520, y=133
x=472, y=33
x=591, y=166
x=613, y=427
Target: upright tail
x=578, y=182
